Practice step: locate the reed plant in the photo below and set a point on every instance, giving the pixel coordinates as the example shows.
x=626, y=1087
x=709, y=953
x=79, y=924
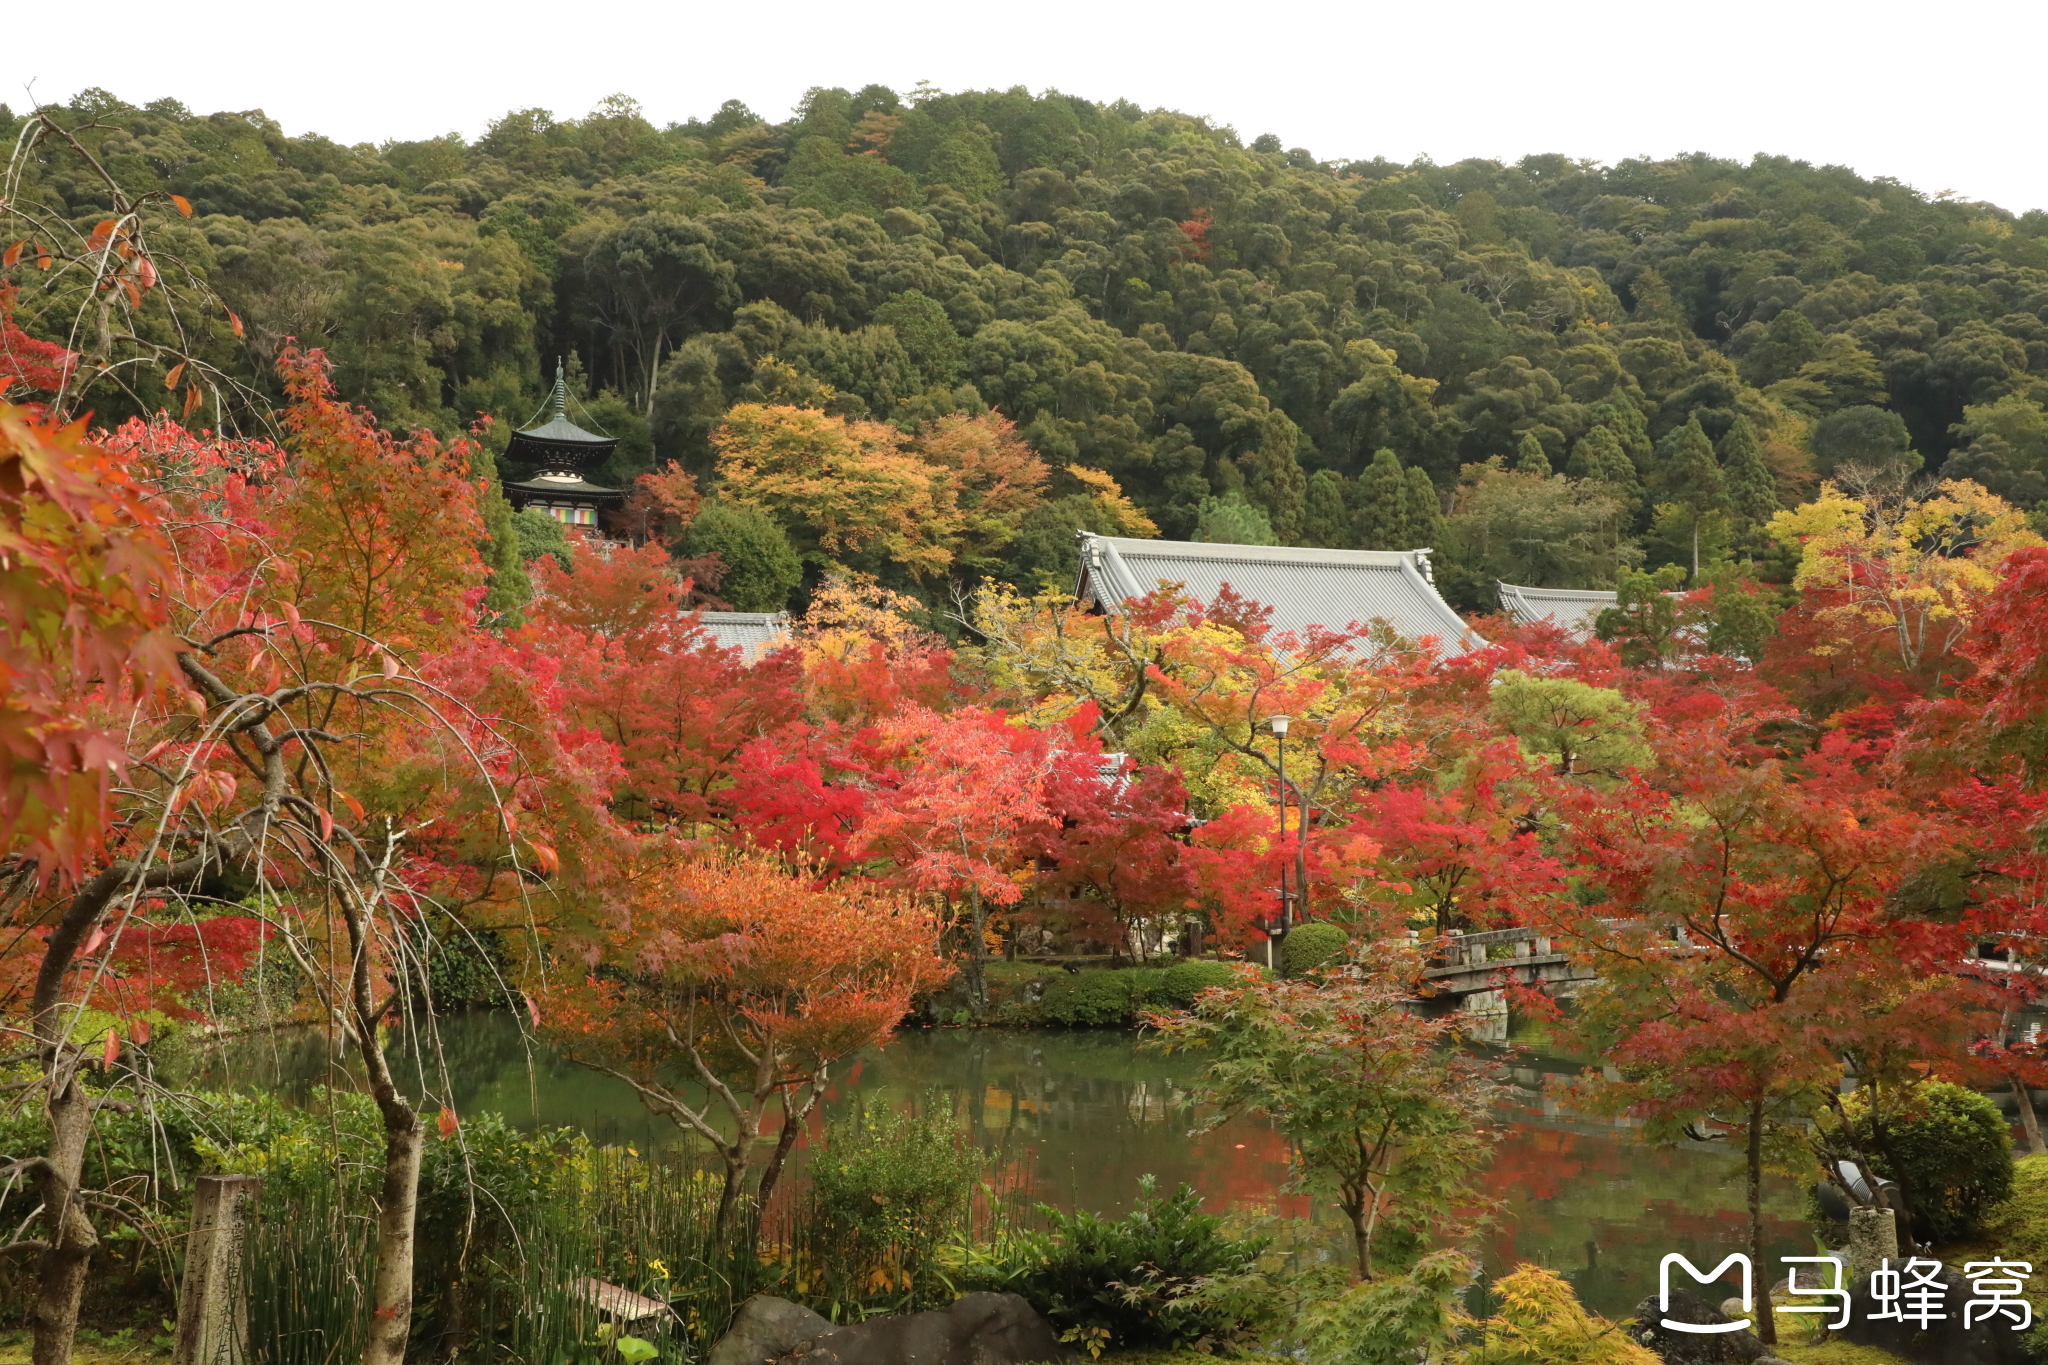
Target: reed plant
x=308, y=1268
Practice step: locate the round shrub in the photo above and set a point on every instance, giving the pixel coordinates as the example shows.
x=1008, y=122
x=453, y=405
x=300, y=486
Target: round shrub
x=1951, y=1153
x=1183, y=981
x=760, y=567
x=1166, y=1275
x=1310, y=946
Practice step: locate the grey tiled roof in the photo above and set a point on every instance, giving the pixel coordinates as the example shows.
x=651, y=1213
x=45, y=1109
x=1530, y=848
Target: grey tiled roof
x=752, y=632
x=1304, y=587
x=1573, y=609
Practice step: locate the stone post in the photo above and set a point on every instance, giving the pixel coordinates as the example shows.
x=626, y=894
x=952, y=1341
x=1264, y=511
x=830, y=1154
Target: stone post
x=213, y=1312
x=1873, y=1239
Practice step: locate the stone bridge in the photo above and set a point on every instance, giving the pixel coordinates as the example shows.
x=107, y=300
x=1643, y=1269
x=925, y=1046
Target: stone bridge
x=1473, y=969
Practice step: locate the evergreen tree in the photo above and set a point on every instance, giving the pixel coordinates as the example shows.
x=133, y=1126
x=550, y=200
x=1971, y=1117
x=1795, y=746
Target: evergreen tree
x=1752, y=492
x=1230, y=520
x=539, y=534
x=1326, y=520
x=1425, y=512
x=510, y=589
x=1380, y=521
x=1274, y=481
x=1529, y=457
x=1788, y=343
x=1690, y=479
x=1626, y=421
x=1599, y=455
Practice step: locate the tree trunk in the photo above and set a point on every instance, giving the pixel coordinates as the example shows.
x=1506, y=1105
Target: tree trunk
x=397, y=1204
x=792, y=1125
x=735, y=1158
x=60, y=1285
x=1766, y=1318
x=1695, y=549
x=404, y=1145
x=977, y=949
x=2030, y=1122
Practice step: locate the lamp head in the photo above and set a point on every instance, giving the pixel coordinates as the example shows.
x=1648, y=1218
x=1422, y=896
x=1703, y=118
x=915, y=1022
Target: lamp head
x=1279, y=725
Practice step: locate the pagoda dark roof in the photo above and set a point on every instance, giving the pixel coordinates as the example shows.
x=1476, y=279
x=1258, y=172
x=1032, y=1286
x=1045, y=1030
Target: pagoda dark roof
x=559, y=443
x=562, y=431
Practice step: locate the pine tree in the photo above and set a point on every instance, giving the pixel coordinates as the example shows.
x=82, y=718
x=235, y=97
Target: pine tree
x=1690, y=478
x=1529, y=457
x=1273, y=479
x=1326, y=520
x=1425, y=512
x=1599, y=455
x=510, y=589
x=1626, y=421
x=1380, y=521
x=1752, y=492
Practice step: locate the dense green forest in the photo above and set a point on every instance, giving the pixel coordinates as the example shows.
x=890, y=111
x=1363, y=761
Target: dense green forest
x=1234, y=331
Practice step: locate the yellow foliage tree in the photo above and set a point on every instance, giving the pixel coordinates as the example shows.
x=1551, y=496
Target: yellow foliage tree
x=846, y=488
x=1909, y=568
x=1541, y=1322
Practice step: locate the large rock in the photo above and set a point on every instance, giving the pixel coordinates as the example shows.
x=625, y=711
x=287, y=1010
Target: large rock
x=1692, y=1348
x=765, y=1329
x=1943, y=1343
x=980, y=1329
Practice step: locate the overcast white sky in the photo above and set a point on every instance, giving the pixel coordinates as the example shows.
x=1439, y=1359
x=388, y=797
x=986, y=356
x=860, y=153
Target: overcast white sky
x=1941, y=97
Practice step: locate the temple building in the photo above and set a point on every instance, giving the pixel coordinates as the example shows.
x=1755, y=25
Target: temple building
x=1573, y=610
x=1303, y=587
x=564, y=453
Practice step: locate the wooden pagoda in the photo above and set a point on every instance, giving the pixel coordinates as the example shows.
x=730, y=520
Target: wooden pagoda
x=564, y=454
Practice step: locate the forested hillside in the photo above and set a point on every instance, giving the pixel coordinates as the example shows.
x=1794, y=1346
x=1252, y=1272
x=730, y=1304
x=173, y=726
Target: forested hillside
x=1232, y=331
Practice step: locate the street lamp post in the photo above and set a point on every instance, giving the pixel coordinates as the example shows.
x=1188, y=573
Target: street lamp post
x=1281, y=925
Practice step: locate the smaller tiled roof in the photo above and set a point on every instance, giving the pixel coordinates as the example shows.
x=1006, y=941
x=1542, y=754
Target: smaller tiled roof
x=1572, y=609
x=576, y=490
x=753, y=633
x=1304, y=587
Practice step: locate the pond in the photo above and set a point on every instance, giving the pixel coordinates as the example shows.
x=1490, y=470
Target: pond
x=1079, y=1116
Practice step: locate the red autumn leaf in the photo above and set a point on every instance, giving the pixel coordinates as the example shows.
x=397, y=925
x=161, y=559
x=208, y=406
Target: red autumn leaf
x=549, y=862
x=177, y=373
x=233, y=321
x=184, y=204
x=447, y=1122
x=111, y=1052
x=13, y=254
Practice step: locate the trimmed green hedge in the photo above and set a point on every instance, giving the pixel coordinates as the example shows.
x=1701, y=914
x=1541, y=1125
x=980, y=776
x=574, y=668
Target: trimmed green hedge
x=1118, y=998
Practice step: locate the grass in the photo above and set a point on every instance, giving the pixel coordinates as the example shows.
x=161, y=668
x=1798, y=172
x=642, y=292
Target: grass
x=1836, y=1353
x=126, y=1347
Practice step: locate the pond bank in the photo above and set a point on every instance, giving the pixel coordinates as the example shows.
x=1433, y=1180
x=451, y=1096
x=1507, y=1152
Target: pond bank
x=1077, y=1116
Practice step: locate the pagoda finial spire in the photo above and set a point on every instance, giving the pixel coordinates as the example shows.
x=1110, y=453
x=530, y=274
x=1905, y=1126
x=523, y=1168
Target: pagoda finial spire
x=561, y=393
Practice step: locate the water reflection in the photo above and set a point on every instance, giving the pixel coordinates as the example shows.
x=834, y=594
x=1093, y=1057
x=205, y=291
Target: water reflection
x=1078, y=1117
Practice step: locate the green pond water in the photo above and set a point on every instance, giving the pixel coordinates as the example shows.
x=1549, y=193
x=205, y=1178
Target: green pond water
x=1077, y=1117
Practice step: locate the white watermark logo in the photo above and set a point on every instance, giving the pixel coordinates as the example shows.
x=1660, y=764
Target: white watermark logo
x=1664, y=1292
x=1912, y=1293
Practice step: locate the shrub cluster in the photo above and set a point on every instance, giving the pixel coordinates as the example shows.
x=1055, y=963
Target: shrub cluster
x=1120, y=999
